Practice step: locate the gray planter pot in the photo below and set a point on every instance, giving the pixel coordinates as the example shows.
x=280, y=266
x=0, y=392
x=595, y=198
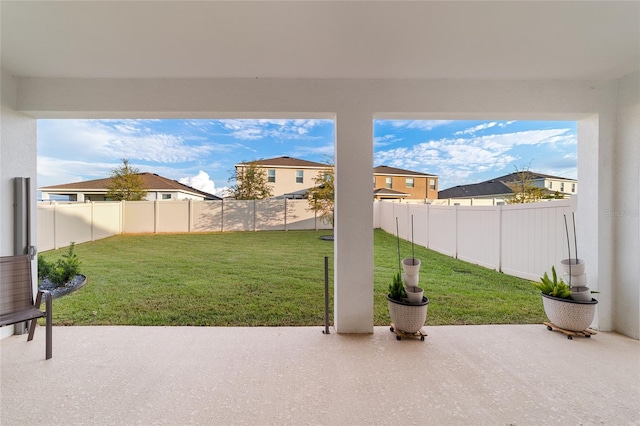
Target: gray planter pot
x=408, y=317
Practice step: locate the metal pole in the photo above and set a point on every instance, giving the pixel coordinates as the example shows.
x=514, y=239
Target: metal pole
x=326, y=295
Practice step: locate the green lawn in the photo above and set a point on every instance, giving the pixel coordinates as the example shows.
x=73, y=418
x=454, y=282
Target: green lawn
x=267, y=279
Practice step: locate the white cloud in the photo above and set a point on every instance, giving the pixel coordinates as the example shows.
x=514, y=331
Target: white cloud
x=416, y=124
x=457, y=159
x=386, y=140
x=254, y=129
x=99, y=140
x=477, y=128
x=201, y=181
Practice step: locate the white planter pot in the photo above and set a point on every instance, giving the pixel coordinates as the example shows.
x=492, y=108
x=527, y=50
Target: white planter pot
x=406, y=317
x=573, y=266
x=411, y=280
x=411, y=266
x=569, y=314
x=575, y=280
x=582, y=294
x=414, y=295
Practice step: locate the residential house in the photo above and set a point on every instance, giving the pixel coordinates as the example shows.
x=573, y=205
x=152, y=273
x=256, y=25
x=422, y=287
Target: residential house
x=499, y=188
x=393, y=183
x=158, y=188
x=288, y=177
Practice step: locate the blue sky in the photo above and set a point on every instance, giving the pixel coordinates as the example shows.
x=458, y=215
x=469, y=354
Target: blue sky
x=201, y=153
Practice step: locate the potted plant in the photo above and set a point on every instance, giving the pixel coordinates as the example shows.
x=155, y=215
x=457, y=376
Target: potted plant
x=407, y=316
x=563, y=311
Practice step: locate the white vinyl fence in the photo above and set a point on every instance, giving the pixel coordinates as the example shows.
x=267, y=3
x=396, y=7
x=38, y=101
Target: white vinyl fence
x=59, y=224
x=522, y=240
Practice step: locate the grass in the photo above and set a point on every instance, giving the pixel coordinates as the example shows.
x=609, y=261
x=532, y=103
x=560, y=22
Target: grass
x=267, y=279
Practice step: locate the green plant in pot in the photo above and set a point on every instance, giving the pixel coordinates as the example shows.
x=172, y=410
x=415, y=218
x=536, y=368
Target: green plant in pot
x=562, y=311
x=553, y=286
x=396, y=288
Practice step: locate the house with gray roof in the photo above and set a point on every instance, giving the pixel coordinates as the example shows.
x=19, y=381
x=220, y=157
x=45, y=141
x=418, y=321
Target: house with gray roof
x=498, y=188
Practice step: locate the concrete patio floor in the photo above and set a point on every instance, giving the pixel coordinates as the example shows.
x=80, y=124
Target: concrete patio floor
x=460, y=375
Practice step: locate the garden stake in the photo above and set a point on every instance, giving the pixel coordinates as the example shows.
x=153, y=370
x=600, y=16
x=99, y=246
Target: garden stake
x=398, y=239
x=568, y=246
x=326, y=295
x=413, y=257
x=575, y=237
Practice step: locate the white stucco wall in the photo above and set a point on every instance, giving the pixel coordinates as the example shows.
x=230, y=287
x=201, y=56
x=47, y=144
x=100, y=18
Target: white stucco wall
x=17, y=159
x=354, y=104
x=624, y=214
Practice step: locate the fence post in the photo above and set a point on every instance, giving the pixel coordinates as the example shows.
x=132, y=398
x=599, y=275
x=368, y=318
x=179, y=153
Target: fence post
x=156, y=216
x=222, y=216
x=93, y=221
x=286, y=227
x=190, y=216
x=255, y=217
x=455, y=249
x=500, y=238
x=55, y=225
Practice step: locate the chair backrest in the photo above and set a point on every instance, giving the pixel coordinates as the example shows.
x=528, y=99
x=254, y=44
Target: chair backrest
x=16, y=292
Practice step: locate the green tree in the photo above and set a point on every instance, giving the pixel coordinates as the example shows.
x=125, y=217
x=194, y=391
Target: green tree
x=322, y=196
x=126, y=183
x=250, y=182
x=524, y=188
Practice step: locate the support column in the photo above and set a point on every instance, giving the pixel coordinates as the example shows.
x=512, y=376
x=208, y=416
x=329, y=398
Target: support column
x=353, y=254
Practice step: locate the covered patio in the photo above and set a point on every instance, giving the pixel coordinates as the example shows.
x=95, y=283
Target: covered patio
x=460, y=375
x=352, y=62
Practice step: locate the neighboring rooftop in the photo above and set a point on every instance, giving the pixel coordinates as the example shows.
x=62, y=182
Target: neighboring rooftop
x=482, y=189
x=389, y=193
x=386, y=170
x=514, y=177
x=494, y=187
x=151, y=182
x=286, y=161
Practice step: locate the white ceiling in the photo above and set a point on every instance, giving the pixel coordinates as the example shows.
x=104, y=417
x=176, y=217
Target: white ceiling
x=321, y=39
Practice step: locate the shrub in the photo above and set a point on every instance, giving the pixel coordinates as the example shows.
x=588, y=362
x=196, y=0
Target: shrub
x=63, y=270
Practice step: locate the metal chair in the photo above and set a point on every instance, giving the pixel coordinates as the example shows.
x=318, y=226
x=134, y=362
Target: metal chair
x=16, y=297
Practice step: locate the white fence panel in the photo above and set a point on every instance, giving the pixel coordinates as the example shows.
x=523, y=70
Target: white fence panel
x=239, y=215
x=72, y=224
x=478, y=234
x=420, y=213
x=107, y=219
x=270, y=215
x=46, y=227
x=172, y=216
x=534, y=239
x=206, y=216
x=139, y=217
x=443, y=229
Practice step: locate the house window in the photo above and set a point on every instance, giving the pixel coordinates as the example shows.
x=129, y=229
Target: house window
x=432, y=184
x=573, y=187
x=299, y=176
x=409, y=182
x=166, y=196
x=550, y=185
x=561, y=186
x=388, y=183
x=271, y=175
